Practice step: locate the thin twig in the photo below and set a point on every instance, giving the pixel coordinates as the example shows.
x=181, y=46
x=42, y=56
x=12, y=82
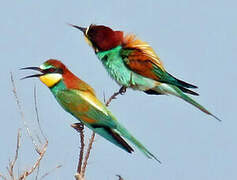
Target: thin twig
x=87, y=154
x=17, y=151
x=41, y=153
x=12, y=163
x=21, y=111
x=121, y=91
x=46, y=174
x=111, y=98
x=37, y=137
x=37, y=173
x=80, y=127
x=37, y=114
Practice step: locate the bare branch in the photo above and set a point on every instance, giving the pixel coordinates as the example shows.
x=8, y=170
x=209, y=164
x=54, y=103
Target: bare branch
x=87, y=154
x=37, y=173
x=121, y=91
x=46, y=174
x=41, y=151
x=37, y=163
x=21, y=111
x=79, y=177
x=37, y=115
x=111, y=98
x=12, y=163
x=80, y=127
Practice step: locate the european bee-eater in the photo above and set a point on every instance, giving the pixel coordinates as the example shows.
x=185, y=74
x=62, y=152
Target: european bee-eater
x=79, y=99
x=134, y=64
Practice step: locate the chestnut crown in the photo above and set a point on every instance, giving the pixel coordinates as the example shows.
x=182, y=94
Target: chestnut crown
x=103, y=38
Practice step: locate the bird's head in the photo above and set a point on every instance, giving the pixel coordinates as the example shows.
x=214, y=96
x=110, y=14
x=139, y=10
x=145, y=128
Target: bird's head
x=51, y=72
x=100, y=37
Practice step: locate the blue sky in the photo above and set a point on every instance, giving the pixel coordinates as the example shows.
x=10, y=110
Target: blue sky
x=196, y=41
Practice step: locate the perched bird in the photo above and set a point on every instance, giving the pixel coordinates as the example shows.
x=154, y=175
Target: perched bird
x=134, y=64
x=79, y=99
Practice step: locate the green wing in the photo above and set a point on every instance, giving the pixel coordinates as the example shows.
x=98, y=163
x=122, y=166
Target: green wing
x=88, y=110
x=94, y=115
x=147, y=66
x=97, y=117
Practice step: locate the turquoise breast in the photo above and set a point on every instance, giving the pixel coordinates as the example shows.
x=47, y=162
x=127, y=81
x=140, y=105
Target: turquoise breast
x=116, y=68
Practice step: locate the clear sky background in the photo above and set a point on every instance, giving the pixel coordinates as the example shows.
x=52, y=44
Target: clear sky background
x=196, y=41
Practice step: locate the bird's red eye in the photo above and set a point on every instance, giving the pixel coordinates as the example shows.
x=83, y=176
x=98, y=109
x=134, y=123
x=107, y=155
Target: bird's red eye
x=51, y=70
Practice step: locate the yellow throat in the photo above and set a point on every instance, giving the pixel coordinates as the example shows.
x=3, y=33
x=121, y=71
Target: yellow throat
x=50, y=79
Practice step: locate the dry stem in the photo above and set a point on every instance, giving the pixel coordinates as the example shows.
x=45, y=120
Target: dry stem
x=46, y=174
x=12, y=163
x=41, y=151
x=88, y=154
x=80, y=127
x=21, y=112
x=36, y=164
x=37, y=115
x=121, y=91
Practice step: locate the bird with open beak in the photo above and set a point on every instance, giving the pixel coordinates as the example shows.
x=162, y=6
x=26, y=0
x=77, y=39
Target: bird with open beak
x=79, y=99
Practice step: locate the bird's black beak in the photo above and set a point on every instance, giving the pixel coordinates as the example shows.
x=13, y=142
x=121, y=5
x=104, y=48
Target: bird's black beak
x=80, y=28
x=34, y=75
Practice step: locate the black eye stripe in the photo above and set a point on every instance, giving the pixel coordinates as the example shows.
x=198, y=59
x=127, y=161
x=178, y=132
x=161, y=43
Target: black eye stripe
x=59, y=70
x=53, y=70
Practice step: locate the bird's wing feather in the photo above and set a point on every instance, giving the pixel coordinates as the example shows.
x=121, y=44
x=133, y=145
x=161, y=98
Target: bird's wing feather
x=86, y=107
x=141, y=58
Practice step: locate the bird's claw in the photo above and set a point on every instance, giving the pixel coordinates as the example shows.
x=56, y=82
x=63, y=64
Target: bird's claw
x=78, y=126
x=122, y=90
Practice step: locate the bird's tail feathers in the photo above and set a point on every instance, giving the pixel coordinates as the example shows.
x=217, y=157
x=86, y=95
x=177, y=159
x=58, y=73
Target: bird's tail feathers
x=176, y=91
x=113, y=137
x=124, y=132
x=188, y=91
x=181, y=83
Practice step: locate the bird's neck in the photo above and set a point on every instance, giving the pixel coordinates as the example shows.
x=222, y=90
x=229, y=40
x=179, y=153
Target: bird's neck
x=104, y=55
x=70, y=81
x=58, y=87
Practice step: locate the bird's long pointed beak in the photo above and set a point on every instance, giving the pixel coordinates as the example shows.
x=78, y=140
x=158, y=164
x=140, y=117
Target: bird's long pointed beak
x=80, y=28
x=34, y=75
x=32, y=68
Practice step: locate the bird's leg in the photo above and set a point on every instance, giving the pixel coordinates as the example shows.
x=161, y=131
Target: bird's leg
x=78, y=126
x=122, y=90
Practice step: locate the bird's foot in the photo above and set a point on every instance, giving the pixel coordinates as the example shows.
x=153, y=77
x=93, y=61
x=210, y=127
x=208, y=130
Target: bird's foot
x=78, y=126
x=122, y=90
